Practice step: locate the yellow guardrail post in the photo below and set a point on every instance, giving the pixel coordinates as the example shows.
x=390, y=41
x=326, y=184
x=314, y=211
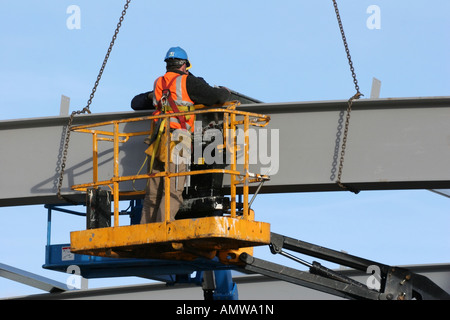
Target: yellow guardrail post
x=116, y=175
x=95, y=158
x=233, y=164
x=246, y=166
x=167, y=173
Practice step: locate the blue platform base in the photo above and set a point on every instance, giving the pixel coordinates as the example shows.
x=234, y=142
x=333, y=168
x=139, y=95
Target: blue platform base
x=59, y=258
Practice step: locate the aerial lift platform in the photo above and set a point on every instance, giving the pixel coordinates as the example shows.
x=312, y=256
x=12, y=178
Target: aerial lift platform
x=184, y=239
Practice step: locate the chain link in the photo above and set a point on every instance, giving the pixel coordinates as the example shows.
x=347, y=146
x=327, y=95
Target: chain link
x=86, y=109
x=356, y=96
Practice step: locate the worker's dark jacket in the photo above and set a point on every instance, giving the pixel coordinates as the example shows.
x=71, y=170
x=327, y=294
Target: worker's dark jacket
x=198, y=89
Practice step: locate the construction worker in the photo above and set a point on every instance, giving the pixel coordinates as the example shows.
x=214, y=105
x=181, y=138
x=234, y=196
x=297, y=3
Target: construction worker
x=177, y=91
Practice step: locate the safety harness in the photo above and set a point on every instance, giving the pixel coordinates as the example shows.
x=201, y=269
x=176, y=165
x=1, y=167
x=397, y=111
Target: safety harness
x=164, y=105
x=167, y=101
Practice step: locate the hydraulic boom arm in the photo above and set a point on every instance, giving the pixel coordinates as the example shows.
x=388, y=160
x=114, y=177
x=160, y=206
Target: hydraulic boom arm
x=394, y=283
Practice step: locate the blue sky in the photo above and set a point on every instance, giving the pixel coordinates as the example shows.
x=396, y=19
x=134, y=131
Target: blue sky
x=273, y=51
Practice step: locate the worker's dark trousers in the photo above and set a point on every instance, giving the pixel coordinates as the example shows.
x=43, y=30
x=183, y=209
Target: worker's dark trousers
x=153, y=209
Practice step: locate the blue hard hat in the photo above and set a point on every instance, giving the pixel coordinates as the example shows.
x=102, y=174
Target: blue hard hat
x=177, y=53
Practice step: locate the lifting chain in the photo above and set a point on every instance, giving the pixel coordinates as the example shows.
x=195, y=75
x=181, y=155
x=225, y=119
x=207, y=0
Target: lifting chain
x=357, y=95
x=86, y=109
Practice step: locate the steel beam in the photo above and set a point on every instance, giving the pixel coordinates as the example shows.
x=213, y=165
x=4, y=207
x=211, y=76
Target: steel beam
x=31, y=279
x=250, y=287
x=397, y=143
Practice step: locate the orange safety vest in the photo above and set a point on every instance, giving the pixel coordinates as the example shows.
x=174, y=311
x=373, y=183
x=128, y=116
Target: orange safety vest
x=169, y=96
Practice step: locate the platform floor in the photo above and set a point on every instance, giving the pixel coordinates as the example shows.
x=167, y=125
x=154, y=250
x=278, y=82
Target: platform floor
x=185, y=239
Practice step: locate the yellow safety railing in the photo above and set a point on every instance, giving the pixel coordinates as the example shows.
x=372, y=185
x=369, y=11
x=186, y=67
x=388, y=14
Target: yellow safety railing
x=231, y=120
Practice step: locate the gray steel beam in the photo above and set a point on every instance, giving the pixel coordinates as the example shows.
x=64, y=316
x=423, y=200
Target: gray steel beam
x=254, y=287
x=31, y=279
x=398, y=143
